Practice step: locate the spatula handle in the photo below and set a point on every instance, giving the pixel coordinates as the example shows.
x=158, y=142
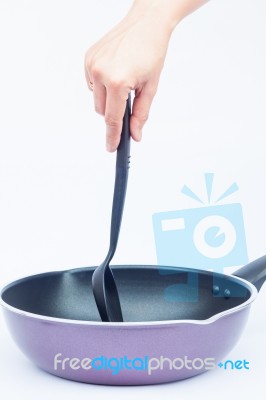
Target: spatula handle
x=121, y=178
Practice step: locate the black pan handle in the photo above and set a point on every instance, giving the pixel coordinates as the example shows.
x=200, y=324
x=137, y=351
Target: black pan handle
x=254, y=272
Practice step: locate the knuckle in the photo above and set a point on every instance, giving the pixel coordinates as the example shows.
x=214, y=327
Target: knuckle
x=111, y=121
x=117, y=83
x=96, y=73
x=142, y=117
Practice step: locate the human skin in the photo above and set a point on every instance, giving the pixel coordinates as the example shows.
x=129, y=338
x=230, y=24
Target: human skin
x=131, y=57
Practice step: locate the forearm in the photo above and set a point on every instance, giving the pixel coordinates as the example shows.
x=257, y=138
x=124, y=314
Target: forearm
x=168, y=12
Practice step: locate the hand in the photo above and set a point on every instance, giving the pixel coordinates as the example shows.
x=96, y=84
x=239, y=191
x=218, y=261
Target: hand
x=129, y=57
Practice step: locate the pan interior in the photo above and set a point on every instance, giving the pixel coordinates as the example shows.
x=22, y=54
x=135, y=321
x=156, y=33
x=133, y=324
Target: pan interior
x=147, y=293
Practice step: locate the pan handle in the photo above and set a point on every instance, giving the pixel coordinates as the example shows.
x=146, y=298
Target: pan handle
x=254, y=272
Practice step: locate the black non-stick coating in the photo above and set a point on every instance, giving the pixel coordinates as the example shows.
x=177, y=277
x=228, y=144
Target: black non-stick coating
x=147, y=293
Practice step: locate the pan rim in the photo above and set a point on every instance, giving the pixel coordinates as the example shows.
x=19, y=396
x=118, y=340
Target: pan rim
x=136, y=324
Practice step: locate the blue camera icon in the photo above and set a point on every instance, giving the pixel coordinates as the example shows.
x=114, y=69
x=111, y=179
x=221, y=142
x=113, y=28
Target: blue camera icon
x=210, y=238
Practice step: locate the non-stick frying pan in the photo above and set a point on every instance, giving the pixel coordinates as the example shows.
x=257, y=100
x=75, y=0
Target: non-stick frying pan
x=173, y=323
x=165, y=337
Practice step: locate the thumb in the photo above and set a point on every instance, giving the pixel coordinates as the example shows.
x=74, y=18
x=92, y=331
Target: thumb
x=140, y=110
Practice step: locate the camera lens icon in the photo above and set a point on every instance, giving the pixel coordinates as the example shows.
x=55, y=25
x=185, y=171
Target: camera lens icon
x=214, y=236
x=211, y=238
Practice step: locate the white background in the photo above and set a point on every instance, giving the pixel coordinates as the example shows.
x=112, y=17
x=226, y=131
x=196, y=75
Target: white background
x=56, y=179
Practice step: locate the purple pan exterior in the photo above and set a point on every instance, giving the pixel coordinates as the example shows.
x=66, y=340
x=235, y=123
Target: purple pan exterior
x=41, y=338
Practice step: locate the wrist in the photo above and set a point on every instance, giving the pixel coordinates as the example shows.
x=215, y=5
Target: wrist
x=168, y=12
x=163, y=13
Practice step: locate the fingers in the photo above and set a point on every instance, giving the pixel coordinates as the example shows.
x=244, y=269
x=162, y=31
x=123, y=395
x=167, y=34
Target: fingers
x=140, y=110
x=99, y=96
x=99, y=92
x=110, y=101
x=114, y=112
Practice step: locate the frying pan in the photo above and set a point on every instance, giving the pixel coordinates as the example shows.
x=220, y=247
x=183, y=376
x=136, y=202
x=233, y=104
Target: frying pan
x=174, y=323
x=165, y=337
